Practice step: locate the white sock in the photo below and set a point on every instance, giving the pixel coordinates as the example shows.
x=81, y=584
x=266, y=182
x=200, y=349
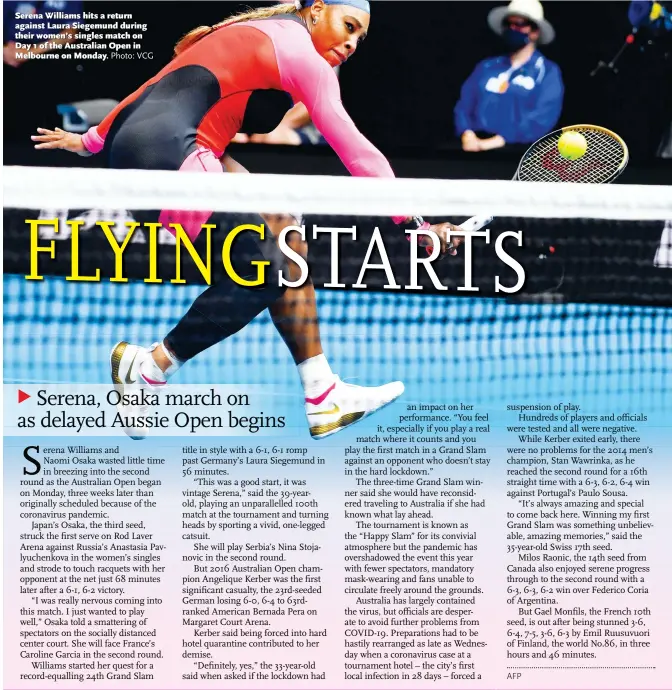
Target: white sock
x=151, y=370
x=316, y=376
x=175, y=363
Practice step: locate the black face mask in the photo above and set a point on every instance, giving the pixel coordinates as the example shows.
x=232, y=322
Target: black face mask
x=514, y=40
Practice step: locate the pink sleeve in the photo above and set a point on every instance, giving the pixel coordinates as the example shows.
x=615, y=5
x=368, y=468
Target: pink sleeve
x=92, y=141
x=308, y=78
x=317, y=87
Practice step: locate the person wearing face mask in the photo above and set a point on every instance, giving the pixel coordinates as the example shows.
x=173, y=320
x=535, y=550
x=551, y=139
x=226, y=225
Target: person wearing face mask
x=513, y=98
x=184, y=119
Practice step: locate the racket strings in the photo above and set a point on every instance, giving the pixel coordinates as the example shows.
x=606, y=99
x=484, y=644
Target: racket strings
x=604, y=158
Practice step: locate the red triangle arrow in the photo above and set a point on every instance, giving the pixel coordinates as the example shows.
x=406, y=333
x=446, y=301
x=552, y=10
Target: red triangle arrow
x=23, y=396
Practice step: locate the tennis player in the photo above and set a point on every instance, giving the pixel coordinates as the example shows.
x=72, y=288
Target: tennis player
x=184, y=118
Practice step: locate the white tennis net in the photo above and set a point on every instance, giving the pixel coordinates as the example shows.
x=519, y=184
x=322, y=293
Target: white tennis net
x=594, y=305
x=146, y=189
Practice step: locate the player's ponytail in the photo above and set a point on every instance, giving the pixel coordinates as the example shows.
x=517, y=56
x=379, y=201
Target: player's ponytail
x=189, y=39
x=261, y=13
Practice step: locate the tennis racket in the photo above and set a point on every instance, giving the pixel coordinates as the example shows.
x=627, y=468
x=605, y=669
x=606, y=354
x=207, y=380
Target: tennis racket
x=605, y=159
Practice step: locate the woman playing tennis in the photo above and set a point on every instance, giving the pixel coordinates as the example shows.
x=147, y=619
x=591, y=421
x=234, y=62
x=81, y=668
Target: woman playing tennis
x=184, y=118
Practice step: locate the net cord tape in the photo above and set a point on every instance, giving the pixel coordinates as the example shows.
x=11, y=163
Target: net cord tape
x=33, y=187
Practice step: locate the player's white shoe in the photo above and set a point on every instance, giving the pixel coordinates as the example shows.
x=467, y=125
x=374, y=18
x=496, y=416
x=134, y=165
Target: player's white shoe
x=125, y=363
x=343, y=404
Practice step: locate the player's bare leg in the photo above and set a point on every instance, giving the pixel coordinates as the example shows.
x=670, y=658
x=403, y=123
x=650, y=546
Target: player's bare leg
x=331, y=405
x=295, y=313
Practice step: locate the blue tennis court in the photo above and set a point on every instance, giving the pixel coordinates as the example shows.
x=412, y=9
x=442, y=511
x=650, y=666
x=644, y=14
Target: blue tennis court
x=443, y=347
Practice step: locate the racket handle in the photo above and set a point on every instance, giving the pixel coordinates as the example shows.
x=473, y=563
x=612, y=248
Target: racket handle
x=474, y=224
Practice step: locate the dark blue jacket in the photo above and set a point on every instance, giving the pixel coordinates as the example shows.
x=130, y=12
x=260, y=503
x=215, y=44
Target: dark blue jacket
x=521, y=105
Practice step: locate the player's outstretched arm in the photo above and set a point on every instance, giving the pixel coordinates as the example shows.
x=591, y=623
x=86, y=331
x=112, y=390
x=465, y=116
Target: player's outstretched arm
x=59, y=139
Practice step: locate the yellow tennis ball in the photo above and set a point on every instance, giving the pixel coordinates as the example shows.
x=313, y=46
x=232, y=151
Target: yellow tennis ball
x=572, y=145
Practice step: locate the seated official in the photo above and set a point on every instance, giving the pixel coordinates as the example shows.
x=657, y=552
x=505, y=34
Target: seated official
x=295, y=129
x=514, y=98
